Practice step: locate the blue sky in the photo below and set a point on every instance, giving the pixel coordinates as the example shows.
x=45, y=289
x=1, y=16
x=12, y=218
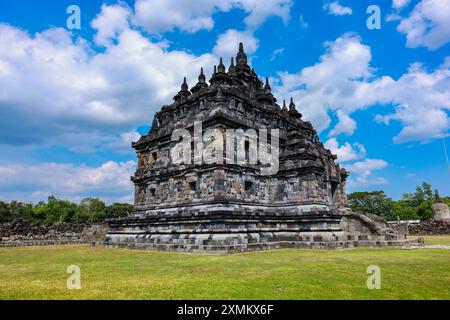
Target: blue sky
x=71, y=101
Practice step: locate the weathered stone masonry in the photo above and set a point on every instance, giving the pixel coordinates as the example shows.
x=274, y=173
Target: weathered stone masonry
x=232, y=206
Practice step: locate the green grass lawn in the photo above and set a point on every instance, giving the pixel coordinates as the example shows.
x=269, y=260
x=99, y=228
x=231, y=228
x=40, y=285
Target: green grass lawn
x=437, y=240
x=106, y=273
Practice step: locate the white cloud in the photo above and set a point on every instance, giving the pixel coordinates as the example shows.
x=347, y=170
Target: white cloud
x=227, y=43
x=422, y=98
x=276, y=53
x=191, y=16
x=424, y=125
x=336, y=9
x=123, y=142
x=367, y=166
x=111, y=21
x=428, y=25
x=330, y=84
x=302, y=22
x=345, y=125
x=55, y=87
x=165, y=15
x=361, y=173
x=344, y=80
x=259, y=10
x=399, y=4
x=110, y=181
x=393, y=17
x=346, y=152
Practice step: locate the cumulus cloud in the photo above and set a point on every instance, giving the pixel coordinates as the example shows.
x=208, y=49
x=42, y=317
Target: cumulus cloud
x=362, y=173
x=423, y=125
x=346, y=125
x=111, y=21
x=227, y=43
x=91, y=142
x=428, y=25
x=110, y=181
x=123, y=142
x=157, y=16
x=399, y=4
x=422, y=100
x=344, y=80
x=347, y=152
x=336, y=9
x=259, y=11
x=55, y=86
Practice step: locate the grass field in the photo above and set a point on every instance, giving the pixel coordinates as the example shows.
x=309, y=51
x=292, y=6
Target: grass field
x=40, y=273
x=437, y=240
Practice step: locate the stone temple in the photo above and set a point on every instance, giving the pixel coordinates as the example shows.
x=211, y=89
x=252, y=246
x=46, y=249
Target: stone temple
x=297, y=199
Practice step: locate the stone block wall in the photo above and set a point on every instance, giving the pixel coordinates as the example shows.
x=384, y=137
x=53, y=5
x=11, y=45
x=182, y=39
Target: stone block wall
x=234, y=186
x=430, y=227
x=23, y=233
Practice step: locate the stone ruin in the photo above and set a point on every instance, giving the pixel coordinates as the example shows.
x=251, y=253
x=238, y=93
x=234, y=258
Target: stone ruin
x=439, y=224
x=235, y=205
x=441, y=211
x=22, y=232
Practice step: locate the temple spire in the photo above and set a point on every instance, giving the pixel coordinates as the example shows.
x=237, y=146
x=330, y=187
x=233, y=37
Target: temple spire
x=241, y=58
x=284, y=106
x=267, y=87
x=292, y=105
x=155, y=123
x=293, y=110
x=184, y=92
x=201, y=82
x=201, y=77
x=184, y=86
x=221, y=66
x=232, y=68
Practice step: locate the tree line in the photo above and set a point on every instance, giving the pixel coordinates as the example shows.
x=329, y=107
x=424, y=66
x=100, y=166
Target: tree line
x=412, y=206
x=89, y=210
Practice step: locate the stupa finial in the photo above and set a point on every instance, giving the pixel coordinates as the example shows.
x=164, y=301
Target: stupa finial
x=292, y=105
x=201, y=77
x=221, y=66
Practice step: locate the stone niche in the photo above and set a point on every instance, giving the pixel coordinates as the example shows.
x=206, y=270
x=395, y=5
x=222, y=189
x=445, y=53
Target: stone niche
x=236, y=206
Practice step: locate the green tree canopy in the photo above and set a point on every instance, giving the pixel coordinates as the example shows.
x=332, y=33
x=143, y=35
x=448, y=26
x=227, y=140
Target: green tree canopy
x=375, y=202
x=92, y=210
x=118, y=210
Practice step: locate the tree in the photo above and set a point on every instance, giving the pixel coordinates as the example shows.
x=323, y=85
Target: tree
x=404, y=210
x=118, y=210
x=21, y=210
x=54, y=211
x=5, y=212
x=375, y=202
x=92, y=210
x=422, y=194
x=416, y=205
